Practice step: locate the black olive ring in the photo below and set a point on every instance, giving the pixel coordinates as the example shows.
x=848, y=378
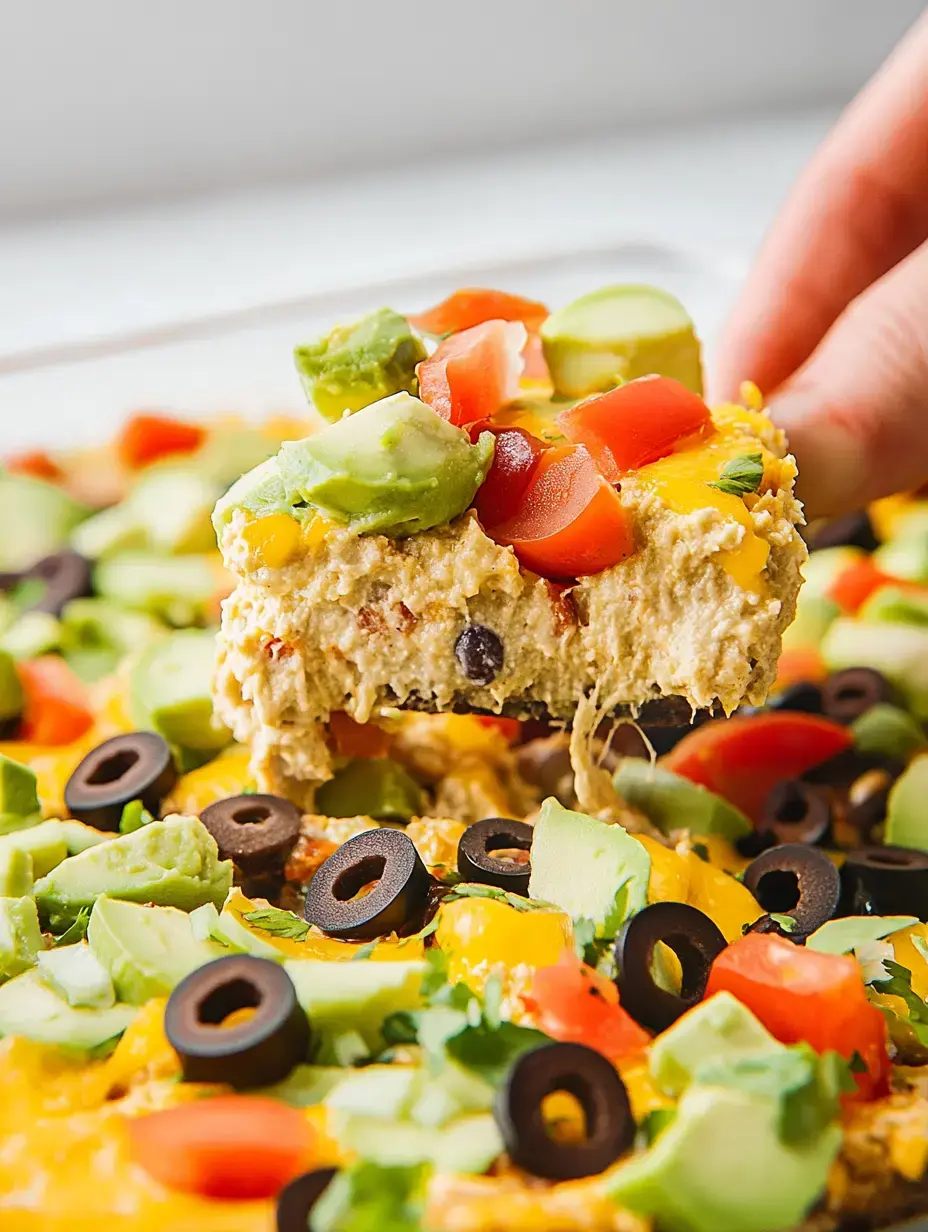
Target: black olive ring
x=797, y=880
x=850, y=693
x=695, y=940
x=593, y=1081
x=66, y=575
x=296, y=1200
x=885, y=881
x=133, y=766
x=384, y=856
x=255, y=831
x=255, y=1053
x=796, y=812
x=476, y=863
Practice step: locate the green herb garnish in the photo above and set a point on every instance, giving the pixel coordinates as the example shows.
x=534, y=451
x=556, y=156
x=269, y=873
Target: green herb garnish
x=365, y=951
x=278, y=923
x=134, y=816
x=76, y=931
x=786, y=922
x=741, y=475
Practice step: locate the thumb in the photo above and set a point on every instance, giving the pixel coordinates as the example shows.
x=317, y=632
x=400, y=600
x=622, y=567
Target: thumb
x=856, y=413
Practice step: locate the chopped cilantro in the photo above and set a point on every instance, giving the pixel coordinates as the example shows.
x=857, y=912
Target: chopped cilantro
x=277, y=922
x=857, y=1064
x=597, y=952
x=365, y=951
x=77, y=931
x=899, y=984
x=786, y=922
x=741, y=475
x=369, y=1197
x=470, y=889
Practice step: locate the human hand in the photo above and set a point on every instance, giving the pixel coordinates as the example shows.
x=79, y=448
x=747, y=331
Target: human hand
x=832, y=323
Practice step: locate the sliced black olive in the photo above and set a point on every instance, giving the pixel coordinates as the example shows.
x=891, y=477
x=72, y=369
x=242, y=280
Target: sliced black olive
x=867, y=799
x=593, y=1082
x=695, y=940
x=257, y=832
x=767, y=924
x=853, y=529
x=804, y=695
x=797, y=812
x=480, y=653
x=255, y=1053
x=848, y=694
x=401, y=892
x=134, y=766
x=296, y=1200
x=65, y=576
x=797, y=880
x=885, y=881
x=476, y=863
x=847, y=766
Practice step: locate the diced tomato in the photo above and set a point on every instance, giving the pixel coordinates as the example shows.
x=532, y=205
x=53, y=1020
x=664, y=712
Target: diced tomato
x=57, y=706
x=473, y=305
x=575, y=1004
x=37, y=464
x=353, y=739
x=233, y=1147
x=536, y=366
x=147, y=438
x=511, y=729
x=740, y=759
x=799, y=994
x=799, y=663
x=570, y=521
x=475, y=373
x=636, y=423
x=514, y=460
x=853, y=586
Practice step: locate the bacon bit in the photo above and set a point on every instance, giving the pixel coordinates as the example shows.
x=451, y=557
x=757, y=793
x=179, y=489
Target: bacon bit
x=36, y=464
x=563, y=607
x=276, y=649
x=371, y=621
x=406, y=620
x=307, y=857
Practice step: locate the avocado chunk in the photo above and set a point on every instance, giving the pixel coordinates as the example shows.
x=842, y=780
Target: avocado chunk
x=721, y=1163
x=904, y=558
x=46, y=844
x=75, y=973
x=591, y=869
x=31, y=635
x=18, y=793
x=78, y=836
x=20, y=936
x=170, y=863
x=906, y=822
x=468, y=1144
x=900, y=653
x=719, y=1027
x=28, y=1007
x=11, y=691
x=96, y=635
x=847, y=934
x=617, y=334
x=146, y=951
x=360, y=363
x=178, y=589
x=228, y=453
x=896, y=606
x=393, y=468
x=16, y=873
x=172, y=505
x=37, y=519
x=371, y=787
x=888, y=731
x=109, y=532
x=674, y=803
x=353, y=997
x=170, y=685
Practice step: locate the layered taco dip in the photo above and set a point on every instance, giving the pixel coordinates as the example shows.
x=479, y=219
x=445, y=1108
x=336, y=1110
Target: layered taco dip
x=408, y=819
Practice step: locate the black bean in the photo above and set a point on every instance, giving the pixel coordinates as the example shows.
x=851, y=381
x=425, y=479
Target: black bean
x=401, y=893
x=296, y=1200
x=134, y=766
x=885, y=881
x=476, y=863
x=797, y=880
x=593, y=1081
x=695, y=940
x=480, y=653
x=255, y=1053
x=848, y=694
x=257, y=831
x=797, y=812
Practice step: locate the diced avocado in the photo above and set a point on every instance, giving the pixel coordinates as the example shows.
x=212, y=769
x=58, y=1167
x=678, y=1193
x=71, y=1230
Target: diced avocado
x=674, y=803
x=906, y=822
x=619, y=333
x=33, y=634
x=75, y=973
x=360, y=363
x=821, y=569
x=307, y=1085
x=18, y=792
x=383, y=1091
x=37, y=519
x=46, y=843
x=847, y=934
x=904, y=558
x=11, y=691
x=146, y=950
x=79, y=836
x=170, y=863
x=181, y=589
x=721, y=1164
x=408, y=1093
x=29, y=1008
x=466, y=1145
x=888, y=731
x=721, y=1026
x=228, y=453
x=913, y=524
x=16, y=873
x=170, y=685
x=353, y=996
x=173, y=506
x=260, y=491
x=895, y=605
x=20, y=936
x=371, y=787
x=590, y=869
x=109, y=532
x=900, y=652
x=97, y=634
